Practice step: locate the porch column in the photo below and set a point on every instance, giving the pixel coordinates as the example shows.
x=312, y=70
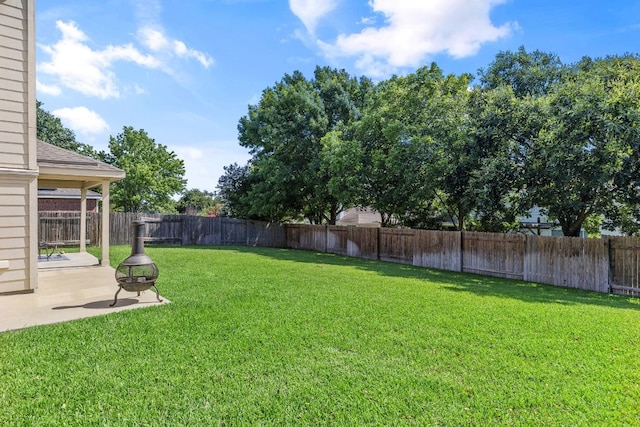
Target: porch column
x=83, y=219
x=105, y=224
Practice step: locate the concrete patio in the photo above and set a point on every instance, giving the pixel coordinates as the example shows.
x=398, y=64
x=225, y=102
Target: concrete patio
x=70, y=286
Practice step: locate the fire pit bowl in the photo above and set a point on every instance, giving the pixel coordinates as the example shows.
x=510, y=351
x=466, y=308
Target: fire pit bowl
x=137, y=272
x=136, y=278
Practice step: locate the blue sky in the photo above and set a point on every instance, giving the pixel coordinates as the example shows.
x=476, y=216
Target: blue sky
x=186, y=70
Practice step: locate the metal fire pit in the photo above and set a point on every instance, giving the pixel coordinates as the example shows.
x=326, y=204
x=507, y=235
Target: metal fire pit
x=138, y=272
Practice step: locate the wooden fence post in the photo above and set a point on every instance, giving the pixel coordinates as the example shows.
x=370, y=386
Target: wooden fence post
x=610, y=264
x=461, y=250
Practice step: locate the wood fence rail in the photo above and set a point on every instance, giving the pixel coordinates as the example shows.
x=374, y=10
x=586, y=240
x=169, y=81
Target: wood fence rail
x=610, y=264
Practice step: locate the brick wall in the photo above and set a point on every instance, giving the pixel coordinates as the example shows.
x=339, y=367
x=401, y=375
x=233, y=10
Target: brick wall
x=68, y=205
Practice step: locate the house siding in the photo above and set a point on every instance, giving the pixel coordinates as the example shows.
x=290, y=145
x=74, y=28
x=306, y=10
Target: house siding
x=14, y=71
x=15, y=237
x=18, y=167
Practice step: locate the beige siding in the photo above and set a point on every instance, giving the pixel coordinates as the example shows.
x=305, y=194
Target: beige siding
x=18, y=169
x=14, y=95
x=13, y=254
x=14, y=233
x=13, y=90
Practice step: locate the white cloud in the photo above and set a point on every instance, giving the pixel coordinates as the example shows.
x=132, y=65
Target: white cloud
x=367, y=20
x=74, y=64
x=155, y=40
x=53, y=90
x=82, y=120
x=416, y=29
x=77, y=66
x=311, y=11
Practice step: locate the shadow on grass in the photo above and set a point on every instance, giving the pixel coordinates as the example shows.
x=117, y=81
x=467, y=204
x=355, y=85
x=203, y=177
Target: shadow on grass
x=483, y=286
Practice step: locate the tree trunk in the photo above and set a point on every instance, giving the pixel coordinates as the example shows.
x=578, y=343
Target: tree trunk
x=570, y=230
x=571, y=226
x=460, y=219
x=385, y=218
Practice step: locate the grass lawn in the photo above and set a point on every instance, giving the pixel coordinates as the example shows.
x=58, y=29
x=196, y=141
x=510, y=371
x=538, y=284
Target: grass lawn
x=258, y=336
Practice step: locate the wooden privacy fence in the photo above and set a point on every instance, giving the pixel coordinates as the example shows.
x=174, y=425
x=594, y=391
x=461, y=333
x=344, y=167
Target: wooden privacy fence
x=171, y=229
x=624, y=261
x=65, y=227
x=197, y=230
x=610, y=264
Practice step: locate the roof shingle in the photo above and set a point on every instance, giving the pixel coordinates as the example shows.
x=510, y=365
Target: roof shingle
x=50, y=155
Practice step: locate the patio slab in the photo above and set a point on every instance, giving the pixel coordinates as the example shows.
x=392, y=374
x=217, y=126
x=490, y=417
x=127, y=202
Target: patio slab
x=66, y=260
x=68, y=293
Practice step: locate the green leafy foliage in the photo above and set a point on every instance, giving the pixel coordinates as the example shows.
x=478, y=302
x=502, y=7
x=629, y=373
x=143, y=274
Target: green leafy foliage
x=289, y=171
x=194, y=201
x=397, y=138
x=582, y=153
x=426, y=149
x=234, y=189
x=528, y=74
x=154, y=174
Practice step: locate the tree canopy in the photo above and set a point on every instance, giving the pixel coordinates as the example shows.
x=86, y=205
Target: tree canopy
x=290, y=171
x=154, y=174
x=434, y=151
x=195, y=201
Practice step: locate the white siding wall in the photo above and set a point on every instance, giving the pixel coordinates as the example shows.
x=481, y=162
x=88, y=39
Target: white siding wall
x=18, y=171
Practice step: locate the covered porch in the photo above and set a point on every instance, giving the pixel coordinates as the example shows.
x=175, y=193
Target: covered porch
x=60, y=168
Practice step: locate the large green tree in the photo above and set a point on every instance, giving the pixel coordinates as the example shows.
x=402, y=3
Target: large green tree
x=284, y=132
x=154, y=174
x=344, y=99
x=507, y=111
x=503, y=130
x=584, y=161
x=622, y=75
x=454, y=156
x=390, y=176
x=414, y=164
x=234, y=188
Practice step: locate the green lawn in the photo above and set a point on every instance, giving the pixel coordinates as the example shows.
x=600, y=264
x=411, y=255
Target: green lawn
x=277, y=337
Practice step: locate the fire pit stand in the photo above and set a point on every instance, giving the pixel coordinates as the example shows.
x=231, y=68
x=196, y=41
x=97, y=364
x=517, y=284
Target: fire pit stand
x=137, y=272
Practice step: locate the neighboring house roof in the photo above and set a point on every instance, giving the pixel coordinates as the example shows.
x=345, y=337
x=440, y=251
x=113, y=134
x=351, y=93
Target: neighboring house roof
x=360, y=216
x=66, y=193
x=63, y=168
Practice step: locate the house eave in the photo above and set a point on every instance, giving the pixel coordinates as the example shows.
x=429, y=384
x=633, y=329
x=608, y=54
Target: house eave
x=76, y=178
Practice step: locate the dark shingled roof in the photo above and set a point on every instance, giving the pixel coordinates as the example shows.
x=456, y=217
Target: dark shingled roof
x=65, y=193
x=52, y=156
